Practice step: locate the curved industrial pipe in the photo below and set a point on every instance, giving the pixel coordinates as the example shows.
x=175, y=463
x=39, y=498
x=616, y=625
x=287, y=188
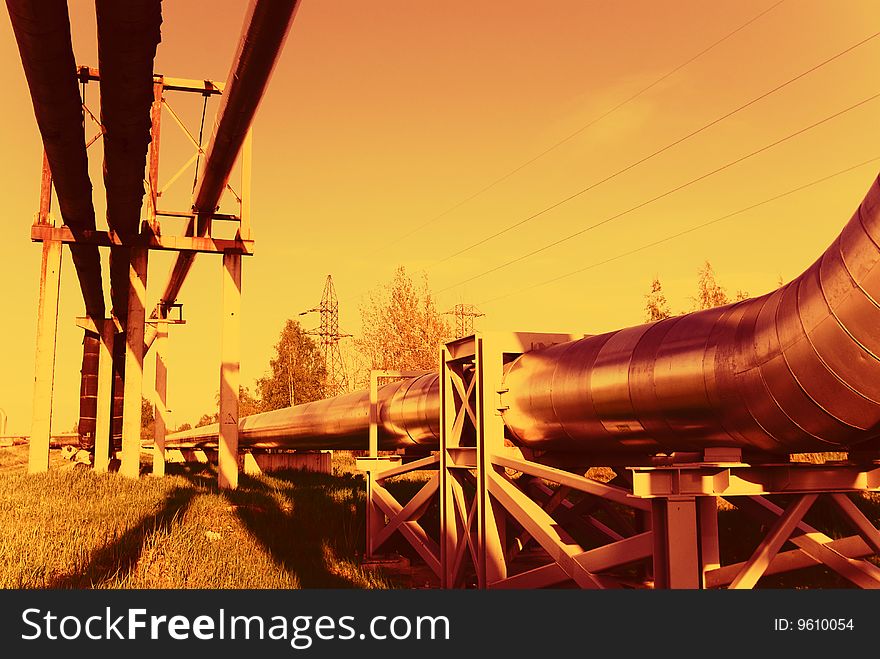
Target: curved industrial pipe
x=42, y=31
x=263, y=35
x=795, y=370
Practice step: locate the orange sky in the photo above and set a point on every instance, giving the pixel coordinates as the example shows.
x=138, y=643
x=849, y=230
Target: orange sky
x=382, y=115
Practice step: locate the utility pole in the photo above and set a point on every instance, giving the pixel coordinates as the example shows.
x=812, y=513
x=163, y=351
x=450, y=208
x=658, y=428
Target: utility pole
x=335, y=379
x=464, y=318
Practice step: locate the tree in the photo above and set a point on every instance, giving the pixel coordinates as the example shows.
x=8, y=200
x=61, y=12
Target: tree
x=656, y=305
x=296, y=372
x=401, y=327
x=710, y=294
x=184, y=426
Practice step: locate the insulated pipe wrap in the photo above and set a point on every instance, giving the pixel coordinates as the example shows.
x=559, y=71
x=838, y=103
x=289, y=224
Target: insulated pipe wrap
x=791, y=371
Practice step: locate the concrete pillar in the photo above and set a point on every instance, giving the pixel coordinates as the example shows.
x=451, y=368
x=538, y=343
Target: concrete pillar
x=160, y=402
x=44, y=362
x=229, y=372
x=105, y=401
x=134, y=363
x=676, y=543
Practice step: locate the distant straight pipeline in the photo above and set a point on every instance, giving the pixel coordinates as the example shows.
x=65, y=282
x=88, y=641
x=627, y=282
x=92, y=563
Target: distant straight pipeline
x=795, y=370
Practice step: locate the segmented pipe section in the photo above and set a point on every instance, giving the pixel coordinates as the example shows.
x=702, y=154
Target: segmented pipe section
x=795, y=370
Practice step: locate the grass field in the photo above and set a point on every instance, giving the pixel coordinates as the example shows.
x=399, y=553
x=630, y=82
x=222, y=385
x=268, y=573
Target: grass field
x=71, y=528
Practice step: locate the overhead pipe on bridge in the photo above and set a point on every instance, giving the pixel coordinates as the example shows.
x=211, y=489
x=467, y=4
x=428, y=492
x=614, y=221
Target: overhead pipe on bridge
x=265, y=29
x=128, y=35
x=795, y=370
x=42, y=31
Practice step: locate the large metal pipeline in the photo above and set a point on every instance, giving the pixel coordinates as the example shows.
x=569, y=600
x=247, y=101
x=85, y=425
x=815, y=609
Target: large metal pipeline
x=263, y=35
x=42, y=31
x=408, y=416
x=128, y=35
x=795, y=370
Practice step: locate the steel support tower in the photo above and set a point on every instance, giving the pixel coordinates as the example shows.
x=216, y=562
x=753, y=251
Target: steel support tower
x=335, y=378
x=464, y=318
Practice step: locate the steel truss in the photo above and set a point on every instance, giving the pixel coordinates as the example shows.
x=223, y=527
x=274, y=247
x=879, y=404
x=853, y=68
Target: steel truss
x=149, y=237
x=513, y=518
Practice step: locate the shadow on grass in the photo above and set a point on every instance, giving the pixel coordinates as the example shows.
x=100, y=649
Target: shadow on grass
x=121, y=556
x=310, y=524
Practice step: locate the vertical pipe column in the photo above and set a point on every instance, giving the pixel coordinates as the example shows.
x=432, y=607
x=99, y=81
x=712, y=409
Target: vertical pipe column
x=490, y=439
x=229, y=372
x=676, y=543
x=375, y=515
x=710, y=557
x=160, y=402
x=134, y=363
x=374, y=415
x=105, y=396
x=44, y=362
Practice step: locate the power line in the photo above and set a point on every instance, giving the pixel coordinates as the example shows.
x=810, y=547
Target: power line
x=661, y=196
x=655, y=153
x=692, y=229
x=580, y=130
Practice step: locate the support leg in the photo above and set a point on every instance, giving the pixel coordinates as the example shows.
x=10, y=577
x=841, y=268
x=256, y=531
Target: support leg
x=44, y=366
x=105, y=401
x=375, y=518
x=490, y=433
x=160, y=403
x=134, y=363
x=229, y=376
x=707, y=509
x=676, y=559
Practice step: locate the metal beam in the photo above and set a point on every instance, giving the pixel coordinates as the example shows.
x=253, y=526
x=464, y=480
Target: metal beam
x=265, y=30
x=146, y=239
x=42, y=31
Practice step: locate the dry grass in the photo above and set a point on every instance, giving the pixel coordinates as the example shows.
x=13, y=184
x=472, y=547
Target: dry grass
x=71, y=528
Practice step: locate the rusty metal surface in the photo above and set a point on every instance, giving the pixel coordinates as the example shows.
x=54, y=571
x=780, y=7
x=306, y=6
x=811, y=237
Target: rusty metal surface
x=42, y=31
x=128, y=34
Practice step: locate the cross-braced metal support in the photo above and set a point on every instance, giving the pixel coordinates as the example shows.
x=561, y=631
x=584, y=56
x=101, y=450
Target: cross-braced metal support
x=150, y=237
x=515, y=518
x=698, y=488
x=386, y=515
x=502, y=511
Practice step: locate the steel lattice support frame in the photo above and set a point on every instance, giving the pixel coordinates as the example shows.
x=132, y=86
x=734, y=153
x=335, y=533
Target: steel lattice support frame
x=133, y=326
x=653, y=526
x=385, y=514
